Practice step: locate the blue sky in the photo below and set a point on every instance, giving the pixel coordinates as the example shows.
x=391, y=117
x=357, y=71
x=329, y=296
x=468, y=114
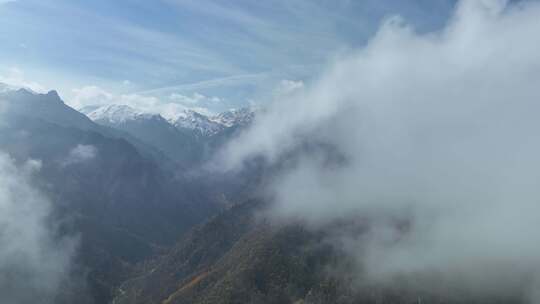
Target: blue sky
x=234, y=51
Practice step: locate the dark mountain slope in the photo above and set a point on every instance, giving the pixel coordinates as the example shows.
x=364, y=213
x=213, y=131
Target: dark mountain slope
x=238, y=257
x=50, y=108
x=202, y=247
x=190, y=139
x=179, y=145
x=120, y=201
x=123, y=205
x=116, y=184
x=233, y=258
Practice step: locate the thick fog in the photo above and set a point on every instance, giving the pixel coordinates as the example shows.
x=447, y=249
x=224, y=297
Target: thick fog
x=34, y=262
x=439, y=136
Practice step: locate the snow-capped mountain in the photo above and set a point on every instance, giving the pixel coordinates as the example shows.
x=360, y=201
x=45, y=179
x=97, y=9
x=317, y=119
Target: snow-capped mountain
x=150, y=128
x=195, y=121
x=116, y=114
x=235, y=117
x=211, y=125
x=187, y=120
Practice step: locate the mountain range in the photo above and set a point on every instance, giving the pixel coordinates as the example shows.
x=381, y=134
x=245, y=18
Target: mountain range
x=185, y=137
x=187, y=120
x=125, y=198
x=154, y=227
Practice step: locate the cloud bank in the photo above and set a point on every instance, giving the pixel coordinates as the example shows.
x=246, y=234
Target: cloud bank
x=439, y=142
x=169, y=107
x=34, y=262
x=16, y=78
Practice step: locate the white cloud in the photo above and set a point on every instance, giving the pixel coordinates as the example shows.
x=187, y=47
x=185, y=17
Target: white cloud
x=229, y=81
x=33, y=262
x=438, y=131
x=148, y=103
x=96, y=96
x=287, y=87
x=16, y=77
x=32, y=166
x=81, y=153
x=195, y=98
x=90, y=95
x=168, y=110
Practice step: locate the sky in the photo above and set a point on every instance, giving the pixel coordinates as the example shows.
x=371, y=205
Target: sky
x=206, y=54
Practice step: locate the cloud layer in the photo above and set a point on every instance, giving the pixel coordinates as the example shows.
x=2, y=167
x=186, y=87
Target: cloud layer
x=16, y=78
x=438, y=137
x=169, y=107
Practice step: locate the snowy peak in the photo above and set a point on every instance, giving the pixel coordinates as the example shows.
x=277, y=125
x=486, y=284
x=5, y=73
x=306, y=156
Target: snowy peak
x=235, y=117
x=211, y=125
x=185, y=120
x=192, y=120
x=116, y=114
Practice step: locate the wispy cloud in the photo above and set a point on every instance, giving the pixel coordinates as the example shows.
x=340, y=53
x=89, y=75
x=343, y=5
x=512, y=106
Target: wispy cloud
x=34, y=262
x=197, y=44
x=195, y=98
x=169, y=106
x=16, y=77
x=211, y=83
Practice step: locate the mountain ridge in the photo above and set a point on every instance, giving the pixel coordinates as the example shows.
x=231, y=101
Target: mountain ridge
x=107, y=187
x=205, y=125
